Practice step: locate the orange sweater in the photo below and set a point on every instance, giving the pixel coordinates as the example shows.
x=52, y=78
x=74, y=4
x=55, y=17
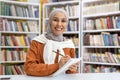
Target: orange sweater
x=34, y=64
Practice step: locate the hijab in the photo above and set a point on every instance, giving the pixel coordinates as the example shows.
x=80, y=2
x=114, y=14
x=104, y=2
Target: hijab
x=50, y=35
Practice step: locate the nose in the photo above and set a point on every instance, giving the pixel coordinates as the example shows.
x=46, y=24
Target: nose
x=59, y=23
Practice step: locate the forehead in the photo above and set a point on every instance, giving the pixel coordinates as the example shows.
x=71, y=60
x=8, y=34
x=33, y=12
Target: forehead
x=59, y=15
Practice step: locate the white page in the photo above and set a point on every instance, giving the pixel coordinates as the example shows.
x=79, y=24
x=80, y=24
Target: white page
x=66, y=66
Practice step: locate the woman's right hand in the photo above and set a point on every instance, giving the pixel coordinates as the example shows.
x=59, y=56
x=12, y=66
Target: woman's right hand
x=63, y=60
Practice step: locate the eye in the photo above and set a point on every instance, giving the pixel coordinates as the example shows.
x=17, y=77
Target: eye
x=54, y=19
x=64, y=20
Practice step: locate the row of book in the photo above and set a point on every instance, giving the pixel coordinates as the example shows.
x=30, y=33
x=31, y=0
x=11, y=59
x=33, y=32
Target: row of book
x=16, y=40
x=72, y=10
x=0, y=39
x=100, y=69
x=73, y=25
x=11, y=69
x=1, y=24
x=102, y=39
x=19, y=10
x=18, y=25
x=74, y=38
x=101, y=7
x=109, y=22
x=12, y=54
x=77, y=53
x=75, y=41
x=106, y=57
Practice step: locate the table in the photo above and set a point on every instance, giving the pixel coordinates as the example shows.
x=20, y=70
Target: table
x=79, y=76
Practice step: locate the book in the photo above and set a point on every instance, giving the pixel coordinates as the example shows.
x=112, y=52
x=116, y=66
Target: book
x=66, y=66
x=87, y=39
x=1, y=24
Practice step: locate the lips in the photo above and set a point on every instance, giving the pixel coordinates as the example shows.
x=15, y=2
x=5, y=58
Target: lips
x=59, y=28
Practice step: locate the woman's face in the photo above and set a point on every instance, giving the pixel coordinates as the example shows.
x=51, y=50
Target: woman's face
x=58, y=23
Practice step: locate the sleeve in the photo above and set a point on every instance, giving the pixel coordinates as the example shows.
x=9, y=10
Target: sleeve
x=35, y=66
x=73, y=55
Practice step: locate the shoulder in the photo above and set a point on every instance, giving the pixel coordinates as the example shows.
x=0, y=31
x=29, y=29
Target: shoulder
x=41, y=38
x=34, y=42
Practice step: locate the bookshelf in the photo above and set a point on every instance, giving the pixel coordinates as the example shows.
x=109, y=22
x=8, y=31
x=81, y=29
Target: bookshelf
x=101, y=38
x=19, y=23
x=73, y=10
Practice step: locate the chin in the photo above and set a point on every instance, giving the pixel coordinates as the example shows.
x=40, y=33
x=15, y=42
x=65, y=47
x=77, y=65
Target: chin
x=58, y=34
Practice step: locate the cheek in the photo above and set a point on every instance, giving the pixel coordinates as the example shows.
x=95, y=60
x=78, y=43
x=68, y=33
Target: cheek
x=65, y=26
x=53, y=27
x=53, y=24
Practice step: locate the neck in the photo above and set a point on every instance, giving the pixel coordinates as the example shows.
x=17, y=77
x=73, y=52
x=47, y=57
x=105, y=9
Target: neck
x=52, y=36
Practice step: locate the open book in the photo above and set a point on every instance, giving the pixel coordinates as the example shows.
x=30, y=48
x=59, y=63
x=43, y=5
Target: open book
x=66, y=66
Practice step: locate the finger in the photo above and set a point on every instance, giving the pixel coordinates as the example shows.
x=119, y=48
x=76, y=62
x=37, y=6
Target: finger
x=67, y=56
x=64, y=60
x=72, y=68
x=77, y=63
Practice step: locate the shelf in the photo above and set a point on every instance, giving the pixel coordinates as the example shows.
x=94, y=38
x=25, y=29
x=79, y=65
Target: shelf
x=12, y=32
x=90, y=1
x=71, y=32
x=62, y=3
x=101, y=46
x=100, y=63
x=20, y=3
x=11, y=62
x=14, y=46
x=102, y=30
x=101, y=14
x=73, y=9
x=100, y=18
x=20, y=23
x=20, y=18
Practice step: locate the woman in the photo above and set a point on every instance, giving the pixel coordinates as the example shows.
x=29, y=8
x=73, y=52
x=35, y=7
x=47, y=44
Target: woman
x=40, y=59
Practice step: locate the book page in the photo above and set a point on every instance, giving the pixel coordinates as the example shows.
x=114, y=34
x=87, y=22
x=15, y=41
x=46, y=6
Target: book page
x=66, y=66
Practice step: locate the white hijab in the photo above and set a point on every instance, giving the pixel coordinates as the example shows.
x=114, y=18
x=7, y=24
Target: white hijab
x=50, y=45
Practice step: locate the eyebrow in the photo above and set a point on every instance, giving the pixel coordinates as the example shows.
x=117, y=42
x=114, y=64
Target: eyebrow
x=61, y=18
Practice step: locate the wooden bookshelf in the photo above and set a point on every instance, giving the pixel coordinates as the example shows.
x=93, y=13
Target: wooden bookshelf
x=100, y=29
x=19, y=23
x=73, y=9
